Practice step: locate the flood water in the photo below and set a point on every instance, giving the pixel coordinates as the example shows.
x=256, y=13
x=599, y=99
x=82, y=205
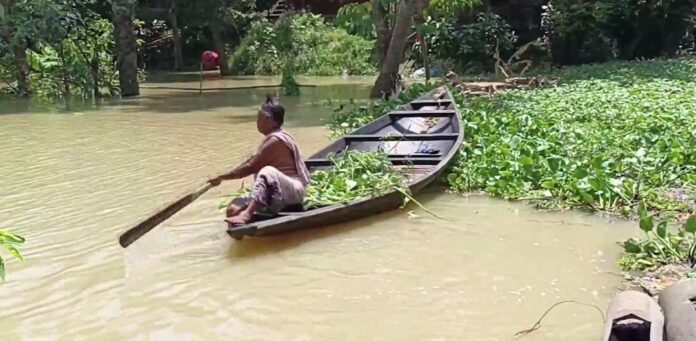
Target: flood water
x=72, y=182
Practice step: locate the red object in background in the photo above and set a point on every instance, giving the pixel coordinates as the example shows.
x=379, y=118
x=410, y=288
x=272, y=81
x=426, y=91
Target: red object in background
x=209, y=60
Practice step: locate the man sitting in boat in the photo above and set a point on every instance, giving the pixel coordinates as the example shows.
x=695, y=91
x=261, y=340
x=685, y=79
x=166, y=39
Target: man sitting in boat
x=281, y=176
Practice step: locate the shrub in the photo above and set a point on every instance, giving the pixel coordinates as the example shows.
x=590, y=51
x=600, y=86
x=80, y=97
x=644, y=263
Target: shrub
x=316, y=48
x=589, y=31
x=471, y=41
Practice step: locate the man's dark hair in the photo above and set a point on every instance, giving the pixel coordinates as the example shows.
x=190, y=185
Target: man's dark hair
x=273, y=107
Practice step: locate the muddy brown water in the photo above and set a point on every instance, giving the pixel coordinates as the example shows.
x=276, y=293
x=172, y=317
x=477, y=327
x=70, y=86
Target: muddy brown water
x=72, y=182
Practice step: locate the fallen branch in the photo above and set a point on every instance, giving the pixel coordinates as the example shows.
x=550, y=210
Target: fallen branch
x=409, y=197
x=537, y=325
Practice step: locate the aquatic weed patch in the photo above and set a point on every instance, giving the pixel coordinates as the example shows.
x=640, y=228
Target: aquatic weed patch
x=610, y=136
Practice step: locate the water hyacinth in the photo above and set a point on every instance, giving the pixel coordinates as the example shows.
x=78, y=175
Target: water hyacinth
x=610, y=136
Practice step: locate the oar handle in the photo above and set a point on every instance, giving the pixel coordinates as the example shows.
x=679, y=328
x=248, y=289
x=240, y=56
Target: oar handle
x=144, y=227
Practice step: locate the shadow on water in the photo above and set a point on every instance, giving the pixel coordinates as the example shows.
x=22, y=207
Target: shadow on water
x=250, y=248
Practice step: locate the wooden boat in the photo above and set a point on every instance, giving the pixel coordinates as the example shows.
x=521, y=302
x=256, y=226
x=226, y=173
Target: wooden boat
x=421, y=139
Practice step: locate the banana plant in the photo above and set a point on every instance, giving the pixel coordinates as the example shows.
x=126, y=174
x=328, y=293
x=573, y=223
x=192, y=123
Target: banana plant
x=11, y=242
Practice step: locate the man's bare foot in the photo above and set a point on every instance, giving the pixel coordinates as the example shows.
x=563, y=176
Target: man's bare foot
x=233, y=210
x=242, y=218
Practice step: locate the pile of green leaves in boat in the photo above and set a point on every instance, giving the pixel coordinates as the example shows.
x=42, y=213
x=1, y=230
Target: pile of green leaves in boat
x=355, y=175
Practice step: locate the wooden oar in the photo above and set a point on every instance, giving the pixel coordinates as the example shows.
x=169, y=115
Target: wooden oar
x=144, y=227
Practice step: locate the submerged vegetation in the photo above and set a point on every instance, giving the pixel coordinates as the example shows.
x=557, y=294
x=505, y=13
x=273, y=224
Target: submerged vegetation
x=660, y=246
x=10, y=242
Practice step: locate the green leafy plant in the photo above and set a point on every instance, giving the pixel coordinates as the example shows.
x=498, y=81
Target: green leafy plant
x=660, y=246
x=289, y=84
x=10, y=242
x=470, y=40
x=356, y=19
x=317, y=48
x=71, y=51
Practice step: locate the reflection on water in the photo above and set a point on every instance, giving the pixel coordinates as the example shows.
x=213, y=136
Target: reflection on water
x=72, y=183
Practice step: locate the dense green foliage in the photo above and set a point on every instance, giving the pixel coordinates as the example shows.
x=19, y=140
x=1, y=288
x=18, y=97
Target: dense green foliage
x=610, y=136
x=288, y=84
x=356, y=20
x=69, y=49
x=317, y=49
x=470, y=41
x=660, y=246
x=10, y=242
x=588, y=31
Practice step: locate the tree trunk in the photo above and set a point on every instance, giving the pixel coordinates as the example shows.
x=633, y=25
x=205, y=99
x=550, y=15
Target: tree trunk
x=20, y=54
x=19, y=50
x=379, y=19
x=176, y=38
x=94, y=66
x=220, y=48
x=419, y=18
x=389, y=70
x=126, y=47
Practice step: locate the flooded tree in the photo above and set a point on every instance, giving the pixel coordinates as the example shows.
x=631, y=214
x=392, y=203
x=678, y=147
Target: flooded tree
x=16, y=44
x=126, y=48
x=391, y=54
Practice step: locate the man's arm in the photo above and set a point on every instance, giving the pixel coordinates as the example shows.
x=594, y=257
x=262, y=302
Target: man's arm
x=251, y=165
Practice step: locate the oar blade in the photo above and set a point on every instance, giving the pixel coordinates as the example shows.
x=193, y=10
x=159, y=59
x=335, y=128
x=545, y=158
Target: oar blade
x=150, y=223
